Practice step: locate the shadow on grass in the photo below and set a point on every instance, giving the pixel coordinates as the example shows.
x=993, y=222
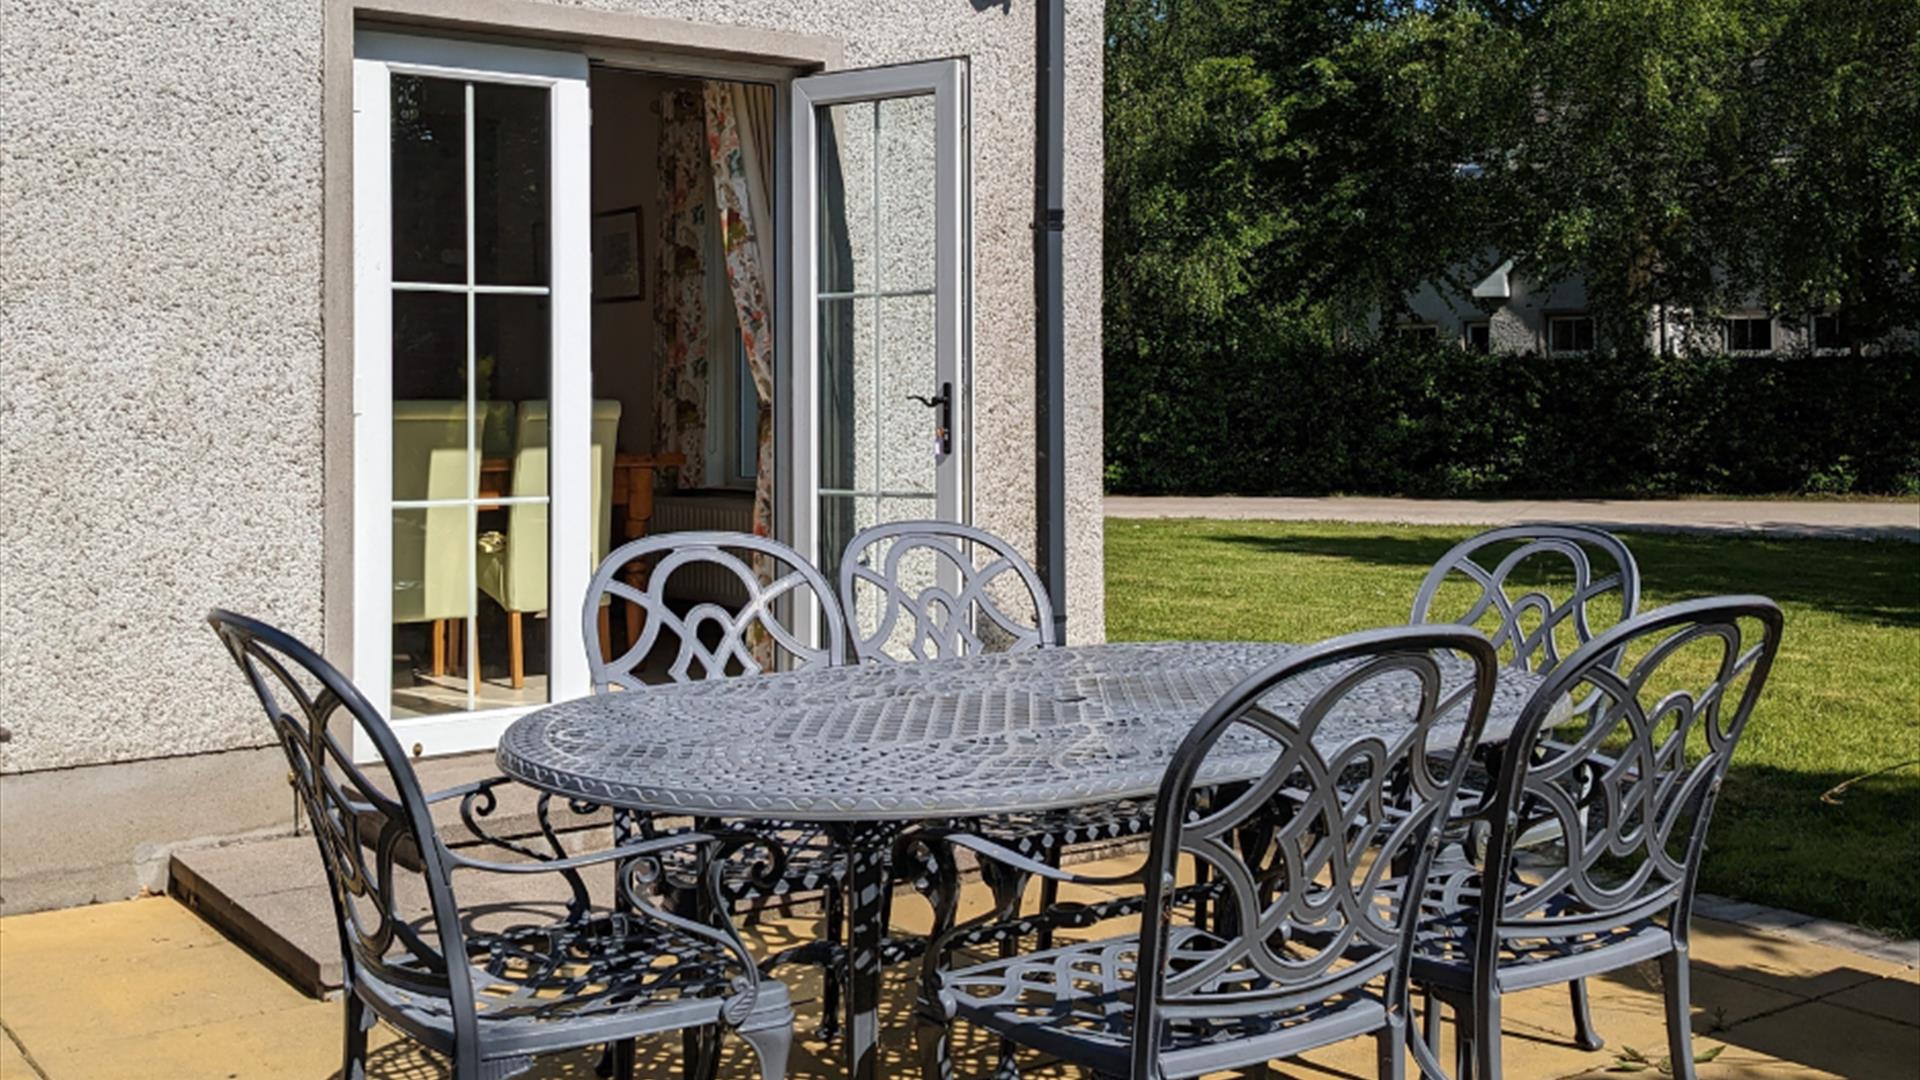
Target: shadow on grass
x=1875, y=582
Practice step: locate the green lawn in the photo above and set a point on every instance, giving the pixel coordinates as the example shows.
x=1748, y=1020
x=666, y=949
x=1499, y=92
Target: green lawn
x=1844, y=699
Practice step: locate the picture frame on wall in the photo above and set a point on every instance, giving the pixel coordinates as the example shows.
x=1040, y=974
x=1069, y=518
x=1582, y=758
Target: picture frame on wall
x=618, y=271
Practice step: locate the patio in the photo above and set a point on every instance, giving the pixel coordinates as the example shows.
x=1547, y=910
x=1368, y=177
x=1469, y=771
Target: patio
x=144, y=988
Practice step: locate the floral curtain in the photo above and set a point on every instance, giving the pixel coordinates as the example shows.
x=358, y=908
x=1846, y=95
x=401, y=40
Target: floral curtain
x=739, y=122
x=679, y=310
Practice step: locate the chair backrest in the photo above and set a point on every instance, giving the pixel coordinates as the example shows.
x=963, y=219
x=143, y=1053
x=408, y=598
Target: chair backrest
x=922, y=590
x=1537, y=591
x=431, y=461
x=1308, y=853
x=371, y=823
x=525, y=584
x=1615, y=779
x=708, y=640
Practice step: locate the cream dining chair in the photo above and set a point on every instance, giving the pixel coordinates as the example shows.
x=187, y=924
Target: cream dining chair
x=512, y=567
x=431, y=461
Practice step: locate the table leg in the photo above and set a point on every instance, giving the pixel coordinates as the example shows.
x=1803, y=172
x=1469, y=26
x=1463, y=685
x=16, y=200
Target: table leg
x=867, y=846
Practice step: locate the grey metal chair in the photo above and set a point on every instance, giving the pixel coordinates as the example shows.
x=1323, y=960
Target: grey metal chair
x=1300, y=950
x=974, y=594
x=491, y=988
x=1534, y=591
x=1631, y=811
x=931, y=590
x=711, y=640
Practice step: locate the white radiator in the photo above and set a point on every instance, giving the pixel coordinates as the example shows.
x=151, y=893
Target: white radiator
x=712, y=511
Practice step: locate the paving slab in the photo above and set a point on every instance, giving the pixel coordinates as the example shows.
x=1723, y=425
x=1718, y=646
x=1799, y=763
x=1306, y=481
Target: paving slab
x=1824, y=1036
x=1812, y=518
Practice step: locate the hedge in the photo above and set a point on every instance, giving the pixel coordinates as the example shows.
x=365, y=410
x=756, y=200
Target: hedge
x=1300, y=419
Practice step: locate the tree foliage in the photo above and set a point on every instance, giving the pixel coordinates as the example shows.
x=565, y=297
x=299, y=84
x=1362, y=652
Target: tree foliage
x=1282, y=173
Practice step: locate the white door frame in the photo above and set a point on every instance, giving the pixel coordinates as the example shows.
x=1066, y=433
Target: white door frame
x=377, y=57
x=946, y=81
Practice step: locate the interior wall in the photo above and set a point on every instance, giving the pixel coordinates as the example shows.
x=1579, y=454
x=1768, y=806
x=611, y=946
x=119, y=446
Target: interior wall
x=626, y=142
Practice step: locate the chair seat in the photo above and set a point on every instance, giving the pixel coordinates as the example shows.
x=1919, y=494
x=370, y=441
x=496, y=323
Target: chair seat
x=1076, y=1002
x=549, y=985
x=1443, y=953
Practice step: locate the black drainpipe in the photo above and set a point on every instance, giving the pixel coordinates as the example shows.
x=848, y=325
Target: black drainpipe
x=1050, y=382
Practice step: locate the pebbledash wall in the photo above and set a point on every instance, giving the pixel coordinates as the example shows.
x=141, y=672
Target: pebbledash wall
x=173, y=336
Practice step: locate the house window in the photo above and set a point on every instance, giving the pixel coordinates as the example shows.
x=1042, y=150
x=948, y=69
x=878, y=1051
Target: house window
x=1748, y=333
x=1569, y=334
x=1479, y=337
x=1830, y=333
x=1417, y=331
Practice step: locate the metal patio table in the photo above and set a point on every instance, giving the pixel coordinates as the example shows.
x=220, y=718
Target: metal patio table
x=868, y=750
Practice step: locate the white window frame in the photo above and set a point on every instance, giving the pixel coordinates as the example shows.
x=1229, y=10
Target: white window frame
x=1726, y=332
x=1570, y=316
x=377, y=57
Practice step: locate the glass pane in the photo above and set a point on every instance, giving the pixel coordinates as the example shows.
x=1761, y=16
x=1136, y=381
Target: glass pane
x=512, y=344
x=906, y=367
x=847, y=446
x=847, y=188
x=429, y=179
x=432, y=554
x=841, y=516
x=430, y=397
x=510, y=233
x=904, y=182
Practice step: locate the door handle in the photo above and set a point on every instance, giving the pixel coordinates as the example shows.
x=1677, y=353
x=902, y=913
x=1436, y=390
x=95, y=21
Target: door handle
x=943, y=433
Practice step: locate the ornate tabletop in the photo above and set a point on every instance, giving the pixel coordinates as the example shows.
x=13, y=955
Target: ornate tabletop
x=1006, y=732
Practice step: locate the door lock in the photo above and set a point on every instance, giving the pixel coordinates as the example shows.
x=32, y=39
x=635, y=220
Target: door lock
x=943, y=431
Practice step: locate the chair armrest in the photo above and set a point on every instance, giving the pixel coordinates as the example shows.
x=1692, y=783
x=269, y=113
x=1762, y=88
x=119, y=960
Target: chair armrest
x=1013, y=860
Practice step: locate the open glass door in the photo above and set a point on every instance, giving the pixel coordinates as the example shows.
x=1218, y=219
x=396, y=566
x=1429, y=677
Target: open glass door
x=472, y=383
x=878, y=416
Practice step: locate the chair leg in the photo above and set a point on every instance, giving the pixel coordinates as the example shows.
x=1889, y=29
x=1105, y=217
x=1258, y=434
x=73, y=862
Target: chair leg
x=353, y=1064
x=1584, y=1036
x=437, y=630
x=517, y=657
x=930, y=1038
x=1430, y=1021
x=606, y=633
x=1392, y=1049
x=771, y=1045
x=1676, y=981
x=834, y=916
x=1486, y=1038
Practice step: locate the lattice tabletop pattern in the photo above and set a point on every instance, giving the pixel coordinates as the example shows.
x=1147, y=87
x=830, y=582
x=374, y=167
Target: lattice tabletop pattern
x=1000, y=733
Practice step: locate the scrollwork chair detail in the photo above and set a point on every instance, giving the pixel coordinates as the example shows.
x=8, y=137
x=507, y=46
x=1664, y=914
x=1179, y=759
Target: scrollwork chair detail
x=708, y=640
x=958, y=610
x=490, y=988
x=1583, y=553
x=1300, y=950
x=1631, y=812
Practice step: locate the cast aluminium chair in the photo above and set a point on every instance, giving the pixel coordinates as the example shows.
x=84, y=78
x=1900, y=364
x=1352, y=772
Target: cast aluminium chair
x=932, y=590
x=1631, y=801
x=709, y=640
x=1539, y=592
x=490, y=987
x=1302, y=948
